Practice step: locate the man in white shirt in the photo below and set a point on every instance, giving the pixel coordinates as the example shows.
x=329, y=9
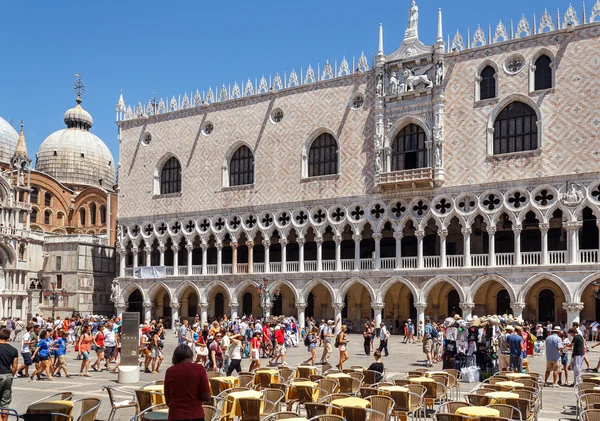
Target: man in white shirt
x=26, y=353
x=110, y=344
x=594, y=327
x=383, y=339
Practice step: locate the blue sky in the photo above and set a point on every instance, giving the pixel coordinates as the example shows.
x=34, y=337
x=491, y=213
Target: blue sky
x=180, y=46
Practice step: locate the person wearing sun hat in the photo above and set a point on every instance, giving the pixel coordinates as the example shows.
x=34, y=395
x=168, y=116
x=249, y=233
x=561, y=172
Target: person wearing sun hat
x=554, y=346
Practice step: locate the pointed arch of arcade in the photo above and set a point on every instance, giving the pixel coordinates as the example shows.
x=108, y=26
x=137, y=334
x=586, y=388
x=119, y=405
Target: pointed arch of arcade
x=156, y=288
x=491, y=277
x=353, y=281
x=438, y=280
x=395, y=280
x=585, y=282
x=129, y=288
x=7, y=254
x=313, y=283
x=242, y=288
x=540, y=277
x=214, y=285
x=182, y=289
x=280, y=282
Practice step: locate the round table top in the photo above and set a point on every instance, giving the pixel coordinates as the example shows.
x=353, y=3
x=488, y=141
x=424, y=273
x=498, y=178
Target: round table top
x=421, y=380
x=478, y=411
x=502, y=395
x=303, y=383
x=311, y=367
x=351, y=402
x=595, y=378
x=227, y=379
x=155, y=388
x=157, y=414
x=337, y=375
x=50, y=406
x=266, y=370
x=519, y=375
x=246, y=394
x=510, y=384
x=394, y=389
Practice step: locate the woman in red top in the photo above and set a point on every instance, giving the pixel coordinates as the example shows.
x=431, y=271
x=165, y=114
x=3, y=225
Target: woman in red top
x=99, y=344
x=84, y=346
x=186, y=386
x=255, y=351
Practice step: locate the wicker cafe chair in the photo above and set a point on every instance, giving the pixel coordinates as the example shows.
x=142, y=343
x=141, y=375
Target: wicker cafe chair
x=328, y=417
x=144, y=400
x=371, y=377
x=246, y=380
x=478, y=400
x=440, y=416
x=61, y=396
x=313, y=409
x=507, y=411
x=285, y=373
x=383, y=404
x=250, y=408
x=407, y=403
x=281, y=416
x=362, y=414
x=209, y=412
x=367, y=391
x=349, y=385
x=273, y=399
x=119, y=404
x=452, y=406
x=327, y=399
x=89, y=408
x=522, y=405
x=590, y=415
x=329, y=385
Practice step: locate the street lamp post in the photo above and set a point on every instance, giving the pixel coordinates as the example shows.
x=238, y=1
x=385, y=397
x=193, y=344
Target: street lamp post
x=266, y=295
x=54, y=295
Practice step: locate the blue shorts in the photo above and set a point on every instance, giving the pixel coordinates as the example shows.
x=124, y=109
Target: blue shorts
x=27, y=358
x=85, y=355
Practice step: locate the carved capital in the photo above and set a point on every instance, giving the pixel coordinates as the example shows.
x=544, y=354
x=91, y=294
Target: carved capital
x=122, y=252
x=203, y=306
x=147, y=305
x=573, y=307
x=491, y=230
x=517, y=307
x=267, y=243
x=234, y=306
x=204, y=246
x=467, y=306
x=544, y=227
x=135, y=250
x=189, y=247
x=377, y=236
x=174, y=305
x=398, y=235
x=235, y=245
x=338, y=306
x=175, y=249
x=148, y=250
x=517, y=229
x=466, y=231
x=377, y=306
x=283, y=242
x=249, y=244
x=357, y=238
x=161, y=249
x=319, y=240
x=337, y=239
x=301, y=306
x=301, y=241
x=442, y=233
x=420, y=306
x=420, y=234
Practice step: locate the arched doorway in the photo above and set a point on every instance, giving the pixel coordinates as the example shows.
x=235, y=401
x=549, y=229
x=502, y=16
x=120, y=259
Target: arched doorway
x=192, y=305
x=277, y=309
x=399, y=305
x=247, y=304
x=454, y=303
x=546, y=306
x=319, y=303
x=219, y=305
x=135, y=303
x=310, y=305
x=345, y=309
x=503, y=302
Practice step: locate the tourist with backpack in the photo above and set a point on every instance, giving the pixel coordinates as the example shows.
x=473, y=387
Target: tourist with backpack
x=429, y=333
x=310, y=341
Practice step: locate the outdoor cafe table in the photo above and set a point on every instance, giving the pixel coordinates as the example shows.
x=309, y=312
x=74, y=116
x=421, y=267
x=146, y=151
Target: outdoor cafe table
x=61, y=407
x=230, y=381
x=509, y=385
x=386, y=390
x=477, y=411
x=311, y=368
x=157, y=415
x=501, y=397
x=158, y=393
x=337, y=375
x=348, y=403
x=292, y=393
x=271, y=371
x=518, y=375
x=232, y=406
x=431, y=373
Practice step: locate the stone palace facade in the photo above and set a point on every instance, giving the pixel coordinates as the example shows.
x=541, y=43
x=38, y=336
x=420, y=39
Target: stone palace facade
x=460, y=177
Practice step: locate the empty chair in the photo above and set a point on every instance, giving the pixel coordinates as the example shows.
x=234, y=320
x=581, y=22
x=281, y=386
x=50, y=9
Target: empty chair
x=273, y=399
x=60, y=396
x=115, y=404
x=327, y=399
x=367, y=391
x=407, y=403
x=590, y=415
x=382, y=404
x=325, y=367
x=507, y=411
x=589, y=401
x=349, y=385
x=328, y=417
x=315, y=377
x=522, y=405
x=209, y=412
x=314, y=408
x=250, y=408
x=483, y=391
x=285, y=373
x=144, y=400
x=440, y=416
x=478, y=400
x=452, y=406
x=265, y=379
x=401, y=382
x=329, y=385
x=357, y=375
x=281, y=416
x=382, y=384
x=362, y=414
x=582, y=387
x=304, y=371
x=89, y=408
x=246, y=380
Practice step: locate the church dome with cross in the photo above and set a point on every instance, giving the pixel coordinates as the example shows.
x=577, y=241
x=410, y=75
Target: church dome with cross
x=74, y=155
x=8, y=141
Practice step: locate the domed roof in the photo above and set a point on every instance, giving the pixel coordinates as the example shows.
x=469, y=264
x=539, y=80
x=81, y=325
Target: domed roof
x=75, y=155
x=8, y=141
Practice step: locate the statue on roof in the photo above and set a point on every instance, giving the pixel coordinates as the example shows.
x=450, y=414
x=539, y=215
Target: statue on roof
x=412, y=30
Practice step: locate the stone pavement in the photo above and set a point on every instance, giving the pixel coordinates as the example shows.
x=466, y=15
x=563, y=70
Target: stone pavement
x=403, y=357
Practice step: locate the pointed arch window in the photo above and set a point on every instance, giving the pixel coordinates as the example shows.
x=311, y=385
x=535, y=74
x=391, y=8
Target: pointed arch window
x=170, y=177
x=543, y=73
x=34, y=213
x=323, y=156
x=82, y=217
x=34, y=195
x=241, y=167
x=48, y=199
x=103, y=215
x=47, y=217
x=408, y=149
x=487, y=85
x=515, y=129
x=93, y=213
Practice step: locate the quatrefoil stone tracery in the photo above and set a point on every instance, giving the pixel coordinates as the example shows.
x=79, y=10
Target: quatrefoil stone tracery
x=491, y=202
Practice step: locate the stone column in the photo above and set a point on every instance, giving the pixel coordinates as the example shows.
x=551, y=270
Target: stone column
x=377, y=307
x=466, y=232
x=283, y=243
x=250, y=245
x=572, y=227
x=219, y=247
x=420, y=312
x=377, y=237
x=443, y=234
x=338, y=252
x=204, y=258
x=544, y=231
x=122, y=256
x=319, y=241
x=233, y=309
x=491, y=246
x=175, y=249
x=398, y=237
x=573, y=312
x=148, y=251
x=267, y=245
x=301, y=242
x=33, y=303
x=301, y=318
x=517, y=233
x=174, y=312
x=148, y=311
x=234, y=252
x=420, y=235
x=338, y=307
x=161, y=250
x=467, y=309
x=135, y=252
x=357, y=238
x=436, y=311
x=204, y=312
x=190, y=249
x=517, y=309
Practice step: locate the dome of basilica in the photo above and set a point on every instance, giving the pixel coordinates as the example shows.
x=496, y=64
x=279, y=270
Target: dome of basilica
x=8, y=141
x=75, y=155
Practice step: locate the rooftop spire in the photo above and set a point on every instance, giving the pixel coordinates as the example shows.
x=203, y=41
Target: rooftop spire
x=380, y=48
x=440, y=36
x=79, y=87
x=21, y=151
